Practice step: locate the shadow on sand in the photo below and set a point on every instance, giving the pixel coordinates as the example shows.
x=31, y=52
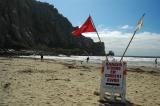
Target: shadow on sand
x=107, y=102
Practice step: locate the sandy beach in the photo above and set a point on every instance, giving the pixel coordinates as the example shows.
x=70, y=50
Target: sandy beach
x=32, y=82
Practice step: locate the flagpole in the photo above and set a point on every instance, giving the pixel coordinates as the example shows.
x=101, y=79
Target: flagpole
x=98, y=36
x=128, y=45
x=139, y=25
x=95, y=29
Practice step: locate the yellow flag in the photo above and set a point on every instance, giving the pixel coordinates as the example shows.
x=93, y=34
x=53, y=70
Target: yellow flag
x=140, y=23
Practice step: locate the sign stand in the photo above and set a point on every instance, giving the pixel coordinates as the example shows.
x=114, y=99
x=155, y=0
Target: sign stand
x=113, y=81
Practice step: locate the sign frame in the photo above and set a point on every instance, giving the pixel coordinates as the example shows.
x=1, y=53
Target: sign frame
x=113, y=80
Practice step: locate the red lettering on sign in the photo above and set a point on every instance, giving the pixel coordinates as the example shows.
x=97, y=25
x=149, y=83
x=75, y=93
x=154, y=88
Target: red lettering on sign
x=113, y=76
x=113, y=67
x=113, y=80
x=114, y=64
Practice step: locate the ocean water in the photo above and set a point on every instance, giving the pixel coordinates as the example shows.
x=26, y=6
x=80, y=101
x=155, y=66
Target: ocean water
x=131, y=61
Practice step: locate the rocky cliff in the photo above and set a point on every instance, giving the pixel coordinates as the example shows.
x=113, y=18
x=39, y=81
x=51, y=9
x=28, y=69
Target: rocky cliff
x=29, y=24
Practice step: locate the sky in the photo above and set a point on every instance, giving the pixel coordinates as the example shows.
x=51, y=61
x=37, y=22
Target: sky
x=115, y=21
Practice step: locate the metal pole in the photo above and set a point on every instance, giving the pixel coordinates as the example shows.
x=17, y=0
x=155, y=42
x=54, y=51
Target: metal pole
x=128, y=45
x=95, y=29
x=98, y=36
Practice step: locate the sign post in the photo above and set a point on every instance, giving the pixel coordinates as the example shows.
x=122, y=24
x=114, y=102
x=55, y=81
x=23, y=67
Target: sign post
x=113, y=80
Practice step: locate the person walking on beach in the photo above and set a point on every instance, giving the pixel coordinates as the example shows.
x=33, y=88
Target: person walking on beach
x=156, y=62
x=41, y=57
x=87, y=59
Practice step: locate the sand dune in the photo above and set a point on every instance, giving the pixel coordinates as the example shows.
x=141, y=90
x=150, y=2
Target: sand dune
x=31, y=82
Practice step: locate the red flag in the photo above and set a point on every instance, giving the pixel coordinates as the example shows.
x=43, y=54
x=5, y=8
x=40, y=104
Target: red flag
x=86, y=27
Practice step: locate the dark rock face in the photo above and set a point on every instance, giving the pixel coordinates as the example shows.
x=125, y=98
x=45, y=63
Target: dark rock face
x=28, y=24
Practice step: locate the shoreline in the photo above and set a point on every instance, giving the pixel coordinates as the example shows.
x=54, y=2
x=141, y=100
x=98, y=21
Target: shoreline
x=12, y=52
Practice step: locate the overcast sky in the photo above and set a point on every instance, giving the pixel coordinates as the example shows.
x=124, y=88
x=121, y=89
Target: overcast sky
x=115, y=21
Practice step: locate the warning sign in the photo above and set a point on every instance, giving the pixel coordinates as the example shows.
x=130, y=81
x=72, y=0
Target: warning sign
x=113, y=74
x=113, y=79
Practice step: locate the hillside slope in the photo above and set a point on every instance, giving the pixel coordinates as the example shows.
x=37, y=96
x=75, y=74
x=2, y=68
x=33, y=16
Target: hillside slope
x=28, y=24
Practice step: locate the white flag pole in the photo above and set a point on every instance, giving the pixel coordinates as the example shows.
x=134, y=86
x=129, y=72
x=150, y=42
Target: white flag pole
x=128, y=45
x=140, y=22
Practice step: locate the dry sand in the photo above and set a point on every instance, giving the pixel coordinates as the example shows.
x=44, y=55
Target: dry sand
x=30, y=82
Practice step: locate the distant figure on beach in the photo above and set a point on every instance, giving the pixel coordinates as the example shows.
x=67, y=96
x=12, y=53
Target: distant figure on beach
x=87, y=59
x=156, y=62
x=41, y=57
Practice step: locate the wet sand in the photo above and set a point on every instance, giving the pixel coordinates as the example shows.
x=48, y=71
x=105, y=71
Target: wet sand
x=32, y=82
